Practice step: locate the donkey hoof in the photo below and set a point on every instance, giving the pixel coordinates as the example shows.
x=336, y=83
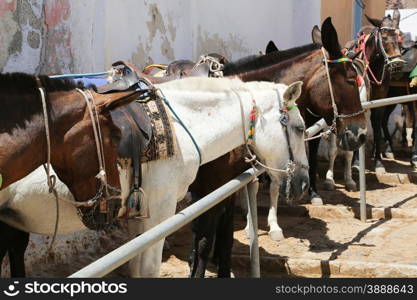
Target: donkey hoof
x=167, y=246
x=247, y=232
x=276, y=235
x=413, y=162
x=380, y=170
x=351, y=186
x=316, y=201
x=355, y=167
x=329, y=185
x=379, y=167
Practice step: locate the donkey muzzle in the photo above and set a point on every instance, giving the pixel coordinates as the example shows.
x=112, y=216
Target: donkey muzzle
x=396, y=64
x=351, y=141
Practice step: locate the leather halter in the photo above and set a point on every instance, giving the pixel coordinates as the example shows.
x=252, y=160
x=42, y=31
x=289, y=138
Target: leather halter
x=336, y=114
x=361, y=43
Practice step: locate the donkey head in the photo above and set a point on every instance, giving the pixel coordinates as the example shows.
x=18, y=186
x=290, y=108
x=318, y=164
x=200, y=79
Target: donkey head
x=295, y=129
x=387, y=37
x=350, y=122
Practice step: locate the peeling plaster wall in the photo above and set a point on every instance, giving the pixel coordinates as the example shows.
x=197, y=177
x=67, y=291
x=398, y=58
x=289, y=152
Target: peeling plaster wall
x=60, y=36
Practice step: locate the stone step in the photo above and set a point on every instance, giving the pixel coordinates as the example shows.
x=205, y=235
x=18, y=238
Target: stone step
x=339, y=211
x=301, y=267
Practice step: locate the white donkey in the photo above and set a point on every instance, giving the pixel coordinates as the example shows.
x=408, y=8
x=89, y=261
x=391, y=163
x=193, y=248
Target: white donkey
x=216, y=112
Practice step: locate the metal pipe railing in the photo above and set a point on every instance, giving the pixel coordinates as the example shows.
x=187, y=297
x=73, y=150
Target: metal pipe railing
x=252, y=190
x=126, y=252
x=389, y=101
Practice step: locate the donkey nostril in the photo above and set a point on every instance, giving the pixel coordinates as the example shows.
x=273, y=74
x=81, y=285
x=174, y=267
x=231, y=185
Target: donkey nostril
x=362, y=138
x=304, y=186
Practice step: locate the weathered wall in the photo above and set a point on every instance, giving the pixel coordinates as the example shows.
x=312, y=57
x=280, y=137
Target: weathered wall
x=401, y=4
x=342, y=17
x=59, y=36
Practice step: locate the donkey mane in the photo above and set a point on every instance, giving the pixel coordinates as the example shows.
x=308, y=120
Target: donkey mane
x=22, y=83
x=255, y=62
x=20, y=99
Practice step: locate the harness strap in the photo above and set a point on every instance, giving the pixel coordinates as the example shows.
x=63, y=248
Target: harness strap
x=181, y=123
x=335, y=111
x=51, y=179
x=102, y=176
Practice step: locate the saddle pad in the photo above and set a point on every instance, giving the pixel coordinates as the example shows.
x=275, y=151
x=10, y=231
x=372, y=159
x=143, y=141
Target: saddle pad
x=162, y=144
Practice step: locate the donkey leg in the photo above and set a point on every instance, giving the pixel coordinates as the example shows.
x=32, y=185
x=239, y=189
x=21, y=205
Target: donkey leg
x=17, y=254
x=3, y=251
x=389, y=153
x=275, y=232
x=413, y=160
x=350, y=184
x=329, y=183
x=135, y=228
x=224, y=239
x=203, y=229
x=313, y=146
x=376, y=117
x=151, y=259
x=204, y=246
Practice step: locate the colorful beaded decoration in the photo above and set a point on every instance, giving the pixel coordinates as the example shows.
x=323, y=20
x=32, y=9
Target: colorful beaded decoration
x=339, y=60
x=252, y=121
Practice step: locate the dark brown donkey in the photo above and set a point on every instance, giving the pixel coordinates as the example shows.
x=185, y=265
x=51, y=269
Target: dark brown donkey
x=305, y=64
x=379, y=48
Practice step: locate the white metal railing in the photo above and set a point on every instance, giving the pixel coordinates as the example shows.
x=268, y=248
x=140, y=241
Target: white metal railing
x=126, y=252
x=321, y=124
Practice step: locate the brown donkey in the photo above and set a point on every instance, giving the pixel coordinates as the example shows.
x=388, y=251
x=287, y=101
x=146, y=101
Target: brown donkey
x=73, y=149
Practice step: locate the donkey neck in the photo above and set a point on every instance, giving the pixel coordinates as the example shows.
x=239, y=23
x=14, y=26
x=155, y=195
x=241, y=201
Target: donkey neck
x=300, y=68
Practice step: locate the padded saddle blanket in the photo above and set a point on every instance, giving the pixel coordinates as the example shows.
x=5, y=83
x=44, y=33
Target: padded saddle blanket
x=146, y=130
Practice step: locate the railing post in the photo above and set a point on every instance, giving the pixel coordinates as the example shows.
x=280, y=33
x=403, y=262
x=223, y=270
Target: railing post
x=252, y=190
x=362, y=183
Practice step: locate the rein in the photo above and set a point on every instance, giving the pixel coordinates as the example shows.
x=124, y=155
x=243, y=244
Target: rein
x=51, y=179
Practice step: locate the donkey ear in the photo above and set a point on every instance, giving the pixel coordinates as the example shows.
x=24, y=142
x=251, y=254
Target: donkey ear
x=330, y=40
x=316, y=35
x=271, y=47
x=375, y=22
x=293, y=92
x=396, y=18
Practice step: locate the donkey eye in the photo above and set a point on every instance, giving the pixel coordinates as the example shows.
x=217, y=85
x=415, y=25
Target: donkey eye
x=351, y=81
x=300, y=128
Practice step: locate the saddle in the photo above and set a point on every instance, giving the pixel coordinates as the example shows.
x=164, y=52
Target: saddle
x=134, y=125
x=136, y=132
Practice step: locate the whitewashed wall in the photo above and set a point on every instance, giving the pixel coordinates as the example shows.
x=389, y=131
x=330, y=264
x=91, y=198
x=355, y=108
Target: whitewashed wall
x=57, y=36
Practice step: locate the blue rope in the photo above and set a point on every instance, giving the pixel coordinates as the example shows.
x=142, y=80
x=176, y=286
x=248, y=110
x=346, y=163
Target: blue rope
x=80, y=75
x=182, y=124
